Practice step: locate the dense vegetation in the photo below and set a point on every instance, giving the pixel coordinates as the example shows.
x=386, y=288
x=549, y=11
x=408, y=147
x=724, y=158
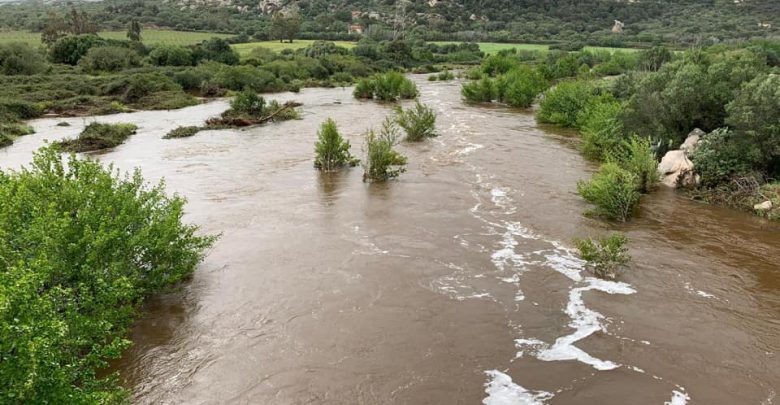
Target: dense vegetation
x=570, y=22
x=82, y=247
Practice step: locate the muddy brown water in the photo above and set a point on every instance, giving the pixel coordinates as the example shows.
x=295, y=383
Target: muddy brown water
x=452, y=285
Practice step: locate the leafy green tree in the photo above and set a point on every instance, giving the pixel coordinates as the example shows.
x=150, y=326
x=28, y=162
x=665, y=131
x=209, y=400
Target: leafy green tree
x=601, y=128
x=332, y=149
x=285, y=26
x=562, y=104
x=134, y=30
x=69, y=50
x=755, y=114
x=520, y=86
x=83, y=246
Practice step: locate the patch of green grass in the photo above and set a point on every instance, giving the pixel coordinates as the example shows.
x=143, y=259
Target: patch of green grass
x=148, y=37
x=493, y=47
x=97, y=136
x=182, y=132
x=276, y=46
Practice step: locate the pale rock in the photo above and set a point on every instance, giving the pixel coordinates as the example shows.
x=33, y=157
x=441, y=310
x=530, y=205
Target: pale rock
x=674, y=165
x=692, y=141
x=764, y=206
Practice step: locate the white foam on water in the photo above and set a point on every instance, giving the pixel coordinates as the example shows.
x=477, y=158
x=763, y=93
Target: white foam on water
x=468, y=149
x=678, y=398
x=585, y=322
x=700, y=293
x=501, y=390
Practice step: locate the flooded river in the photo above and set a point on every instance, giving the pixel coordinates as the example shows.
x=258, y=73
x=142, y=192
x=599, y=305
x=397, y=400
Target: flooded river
x=454, y=284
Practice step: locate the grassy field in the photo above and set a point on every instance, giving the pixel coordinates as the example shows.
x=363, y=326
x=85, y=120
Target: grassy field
x=149, y=37
x=155, y=37
x=276, y=46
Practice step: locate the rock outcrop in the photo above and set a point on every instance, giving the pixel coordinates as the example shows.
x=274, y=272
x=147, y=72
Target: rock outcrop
x=676, y=169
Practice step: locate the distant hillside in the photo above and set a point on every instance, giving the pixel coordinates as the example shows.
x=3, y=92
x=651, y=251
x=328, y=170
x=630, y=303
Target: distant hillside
x=587, y=21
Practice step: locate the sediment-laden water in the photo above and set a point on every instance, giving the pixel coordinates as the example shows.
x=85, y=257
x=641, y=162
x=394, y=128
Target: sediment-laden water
x=455, y=284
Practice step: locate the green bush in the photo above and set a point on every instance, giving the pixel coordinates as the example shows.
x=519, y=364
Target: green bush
x=601, y=128
x=331, y=149
x=520, y=86
x=18, y=58
x=215, y=49
x=109, y=59
x=182, y=132
x=249, y=103
x=364, y=89
x=755, y=114
x=722, y=155
x=97, y=136
x=608, y=256
x=382, y=161
x=241, y=77
x=390, y=86
x=613, y=191
x=170, y=55
x=69, y=50
x=636, y=155
x=483, y=90
x=498, y=64
x=83, y=246
x=419, y=122
x=562, y=104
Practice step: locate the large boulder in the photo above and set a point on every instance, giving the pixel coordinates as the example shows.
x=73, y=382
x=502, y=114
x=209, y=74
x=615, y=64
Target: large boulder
x=692, y=141
x=676, y=169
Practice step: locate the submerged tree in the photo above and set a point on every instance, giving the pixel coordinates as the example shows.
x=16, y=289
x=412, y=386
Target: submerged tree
x=332, y=149
x=382, y=161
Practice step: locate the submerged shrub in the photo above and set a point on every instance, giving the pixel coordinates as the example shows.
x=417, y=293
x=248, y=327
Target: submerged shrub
x=612, y=190
x=248, y=102
x=382, y=161
x=332, y=149
x=636, y=155
x=83, y=246
x=390, y=86
x=602, y=129
x=364, y=89
x=182, y=132
x=520, y=86
x=563, y=103
x=607, y=255
x=98, y=136
x=419, y=122
x=483, y=90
